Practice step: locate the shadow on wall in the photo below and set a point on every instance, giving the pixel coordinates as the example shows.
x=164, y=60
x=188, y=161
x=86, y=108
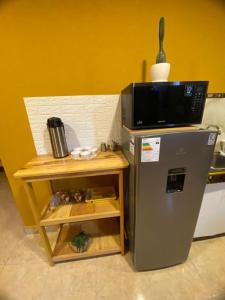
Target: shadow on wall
x=109, y=126
x=47, y=144
x=221, y=3
x=144, y=70
x=4, y=3
x=107, y=120
x=115, y=132
x=71, y=138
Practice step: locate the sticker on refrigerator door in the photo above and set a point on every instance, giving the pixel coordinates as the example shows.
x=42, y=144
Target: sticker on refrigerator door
x=150, y=149
x=212, y=139
x=132, y=139
x=131, y=148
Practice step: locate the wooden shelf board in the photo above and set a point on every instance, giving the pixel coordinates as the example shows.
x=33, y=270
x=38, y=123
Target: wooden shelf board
x=73, y=255
x=105, y=239
x=69, y=213
x=46, y=167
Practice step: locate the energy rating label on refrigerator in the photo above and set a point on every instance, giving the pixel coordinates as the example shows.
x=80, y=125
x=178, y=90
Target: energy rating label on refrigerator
x=212, y=139
x=150, y=149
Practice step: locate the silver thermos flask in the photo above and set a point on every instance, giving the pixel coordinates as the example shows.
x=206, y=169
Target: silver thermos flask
x=57, y=137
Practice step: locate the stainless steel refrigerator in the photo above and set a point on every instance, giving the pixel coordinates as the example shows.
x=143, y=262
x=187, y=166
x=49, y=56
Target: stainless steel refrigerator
x=164, y=190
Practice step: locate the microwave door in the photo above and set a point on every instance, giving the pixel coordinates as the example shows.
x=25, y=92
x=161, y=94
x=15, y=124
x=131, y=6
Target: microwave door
x=178, y=106
x=162, y=106
x=146, y=106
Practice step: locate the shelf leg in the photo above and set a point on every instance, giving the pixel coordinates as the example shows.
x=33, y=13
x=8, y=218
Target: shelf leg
x=121, y=212
x=34, y=208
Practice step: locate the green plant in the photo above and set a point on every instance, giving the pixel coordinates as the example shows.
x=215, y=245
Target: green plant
x=80, y=241
x=161, y=56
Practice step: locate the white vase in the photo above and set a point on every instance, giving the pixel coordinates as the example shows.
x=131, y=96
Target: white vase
x=160, y=72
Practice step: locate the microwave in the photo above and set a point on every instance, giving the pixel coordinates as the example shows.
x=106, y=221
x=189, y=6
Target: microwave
x=163, y=104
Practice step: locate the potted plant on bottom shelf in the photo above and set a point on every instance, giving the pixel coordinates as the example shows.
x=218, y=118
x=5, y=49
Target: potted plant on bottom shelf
x=79, y=242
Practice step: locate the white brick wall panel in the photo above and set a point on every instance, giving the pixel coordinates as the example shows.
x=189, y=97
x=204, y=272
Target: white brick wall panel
x=88, y=120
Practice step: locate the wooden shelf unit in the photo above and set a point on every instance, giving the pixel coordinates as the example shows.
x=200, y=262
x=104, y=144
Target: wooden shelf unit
x=103, y=220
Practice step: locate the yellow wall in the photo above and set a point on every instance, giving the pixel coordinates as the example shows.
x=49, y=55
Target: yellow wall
x=95, y=47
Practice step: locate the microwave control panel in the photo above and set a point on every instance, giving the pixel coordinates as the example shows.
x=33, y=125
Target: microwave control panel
x=197, y=94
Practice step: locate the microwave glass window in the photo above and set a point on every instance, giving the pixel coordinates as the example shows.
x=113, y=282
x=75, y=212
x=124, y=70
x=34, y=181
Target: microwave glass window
x=162, y=104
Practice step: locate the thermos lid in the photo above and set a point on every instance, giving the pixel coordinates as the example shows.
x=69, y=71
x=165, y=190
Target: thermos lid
x=54, y=122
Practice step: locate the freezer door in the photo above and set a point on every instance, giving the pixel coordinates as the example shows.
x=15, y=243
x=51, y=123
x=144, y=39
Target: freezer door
x=170, y=183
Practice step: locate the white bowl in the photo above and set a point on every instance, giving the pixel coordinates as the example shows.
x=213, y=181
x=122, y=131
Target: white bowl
x=75, y=154
x=86, y=148
x=77, y=149
x=85, y=154
x=94, y=151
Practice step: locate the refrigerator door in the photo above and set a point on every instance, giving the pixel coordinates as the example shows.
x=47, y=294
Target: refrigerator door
x=171, y=172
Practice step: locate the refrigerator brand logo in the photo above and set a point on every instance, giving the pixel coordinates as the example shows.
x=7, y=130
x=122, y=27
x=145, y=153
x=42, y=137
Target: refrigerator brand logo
x=161, y=121
x=181, y=151
x=139, y=122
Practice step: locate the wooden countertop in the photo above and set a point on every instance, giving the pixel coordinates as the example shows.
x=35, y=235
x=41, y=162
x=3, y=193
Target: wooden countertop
x=45, y=166
x=216, y=172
